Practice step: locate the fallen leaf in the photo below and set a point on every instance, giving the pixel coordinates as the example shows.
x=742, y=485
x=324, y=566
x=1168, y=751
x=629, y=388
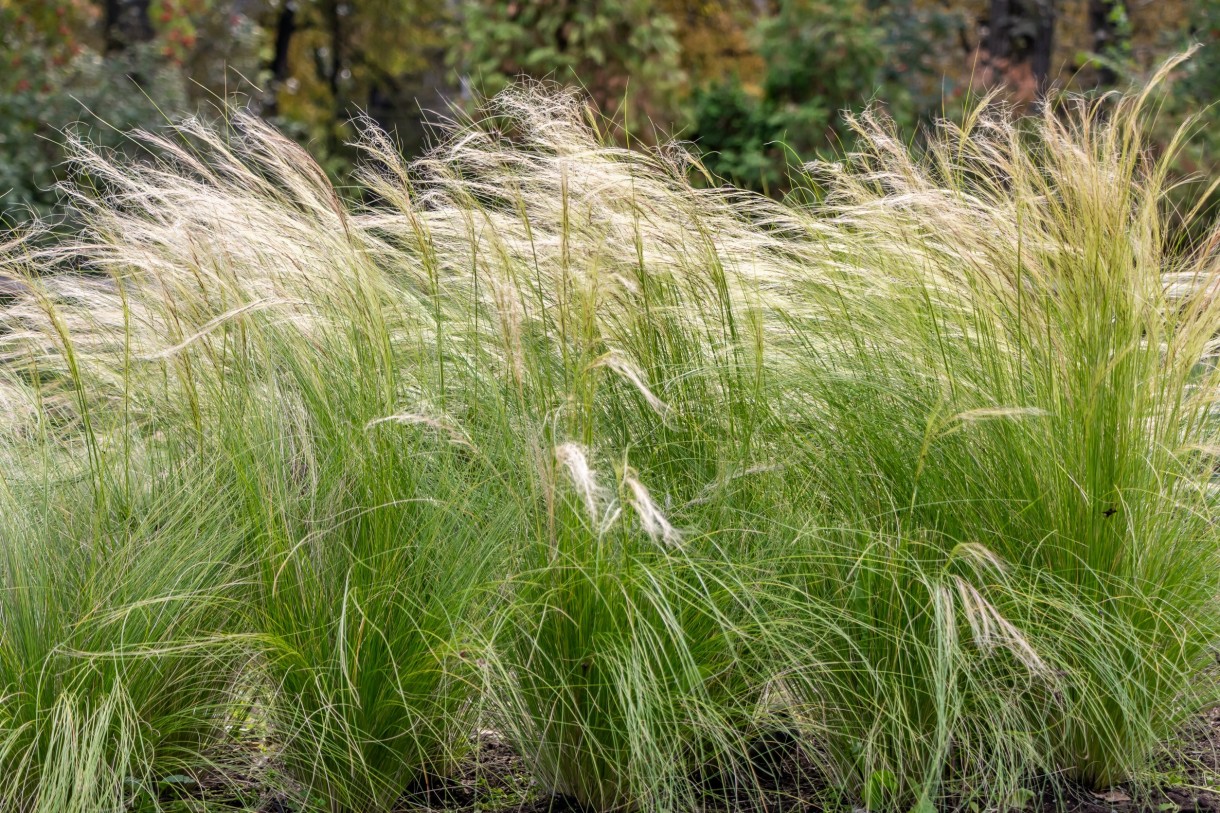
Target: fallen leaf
x=1113, y=796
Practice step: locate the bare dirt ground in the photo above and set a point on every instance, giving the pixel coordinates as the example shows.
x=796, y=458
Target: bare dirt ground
x=494, y=779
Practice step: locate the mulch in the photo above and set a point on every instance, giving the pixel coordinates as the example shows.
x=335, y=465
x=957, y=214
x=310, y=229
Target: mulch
x=494, y=779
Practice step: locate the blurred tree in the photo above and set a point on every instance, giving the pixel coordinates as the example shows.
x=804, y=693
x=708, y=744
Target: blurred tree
x=102, y=68
x=738, y=136
x=126, y=23
x=88, y=89
x=716, y=40
x=1189, y=97
x=623, y=52
x=36, y=37
x=329, y=60
x=755, y=82
x=822, y=57
x=1022, y=46
x=1020, y=36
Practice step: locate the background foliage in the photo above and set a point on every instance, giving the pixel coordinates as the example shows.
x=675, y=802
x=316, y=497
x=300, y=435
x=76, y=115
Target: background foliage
x=759, y=85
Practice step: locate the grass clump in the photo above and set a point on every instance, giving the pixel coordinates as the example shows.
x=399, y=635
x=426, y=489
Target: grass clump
x=119, y=578
x=622, y=666
x=545, y=439
x=294, y=363
x=1044, y=405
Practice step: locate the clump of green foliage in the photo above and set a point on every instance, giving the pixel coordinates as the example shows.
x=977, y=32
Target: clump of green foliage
x=823, y=60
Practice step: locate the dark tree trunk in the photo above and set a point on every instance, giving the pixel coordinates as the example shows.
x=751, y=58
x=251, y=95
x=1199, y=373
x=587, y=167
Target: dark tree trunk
x=332, y=72
x=1023, y=31
x=999, y=30
x=1105, y=35
x=1043, y=45
x=285, y=27
x=335, y=20
x=126, y=23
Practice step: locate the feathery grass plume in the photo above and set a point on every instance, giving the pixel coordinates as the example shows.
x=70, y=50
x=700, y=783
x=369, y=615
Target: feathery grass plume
x=371, y=540
x=912, y=674
x=577, y=260
x=118, y=565
x=585, y=268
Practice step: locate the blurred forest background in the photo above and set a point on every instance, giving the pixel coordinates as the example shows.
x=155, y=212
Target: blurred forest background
x=756, y=85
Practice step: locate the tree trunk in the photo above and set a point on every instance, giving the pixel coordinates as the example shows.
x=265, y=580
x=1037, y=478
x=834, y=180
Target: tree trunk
x=1022, y=31
x=126, y=23
x=285, y=27
x=1043, y=45
x=1106, y=37
x=999, y=30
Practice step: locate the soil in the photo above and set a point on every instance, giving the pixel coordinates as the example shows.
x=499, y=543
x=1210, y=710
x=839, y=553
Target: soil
x=1190, y=780
x=494, y=779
